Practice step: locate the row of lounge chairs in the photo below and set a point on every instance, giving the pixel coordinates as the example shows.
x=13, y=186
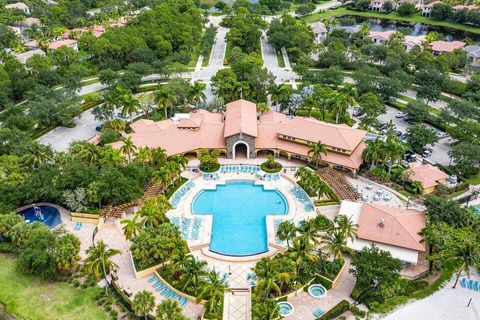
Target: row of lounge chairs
x=181, y=192
x=317, y=313
x=210, y=176
x=165, y=291
x=470, y=284
x=194, y=233
x=272, y=176
x=238, y=169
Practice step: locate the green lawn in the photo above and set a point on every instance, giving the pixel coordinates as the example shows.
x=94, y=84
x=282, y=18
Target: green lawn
x=475, y=180
x=390, y=16
x=30, y=298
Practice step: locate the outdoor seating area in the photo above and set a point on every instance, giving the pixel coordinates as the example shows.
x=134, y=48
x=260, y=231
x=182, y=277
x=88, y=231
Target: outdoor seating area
x=181, y=192
x=190, y=227
x=340, y=185
x=165, y=291
x=378, y=194
x=251, y=279
x=301, y=196
x=469, y=284
x=239, y=169
x=210, y=176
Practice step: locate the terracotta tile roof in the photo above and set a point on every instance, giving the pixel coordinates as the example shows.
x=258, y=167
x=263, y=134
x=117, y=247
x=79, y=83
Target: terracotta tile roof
x=272, y=116
x=400, y=226
x=188, y=123
x=385, y=35
x=446, y=46
x=28, y=22
x=426, y=174
x=31, y=44
x=17, y=5
x=57, y=44
x=24, y=56
x=463, y=7
x=241, y=117
x=431, y=4
x=333, y=135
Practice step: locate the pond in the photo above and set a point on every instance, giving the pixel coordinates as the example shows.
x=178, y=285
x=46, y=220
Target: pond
x=414, y=29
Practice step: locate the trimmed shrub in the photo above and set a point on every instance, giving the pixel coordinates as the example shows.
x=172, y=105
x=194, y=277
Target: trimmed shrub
x=340, y=308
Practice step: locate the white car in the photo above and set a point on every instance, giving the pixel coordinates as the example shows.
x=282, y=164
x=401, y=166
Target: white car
x=400, y=115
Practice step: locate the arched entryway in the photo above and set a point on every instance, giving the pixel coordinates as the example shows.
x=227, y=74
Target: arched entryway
x=241, y=150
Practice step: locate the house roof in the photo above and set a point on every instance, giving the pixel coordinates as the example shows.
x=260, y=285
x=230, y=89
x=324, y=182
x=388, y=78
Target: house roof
x=414, y=40
x=31, y=44
x=385, y=35
x=393, y=226
x=241, y=117
x=318, y=27
x=17, y=5
x=446, y=46
x=333, y=135
x=28, y=22
x=473, y=50
x=23, y=57
x=426, y=174
x=431, y=4
x=463, y=7
x=57, y=44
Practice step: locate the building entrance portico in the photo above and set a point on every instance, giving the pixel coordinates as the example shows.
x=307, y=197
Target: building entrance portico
x=240, y=150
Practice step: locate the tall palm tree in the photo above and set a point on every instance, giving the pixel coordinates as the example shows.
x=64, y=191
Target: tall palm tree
x=153, y=211
x=286, y=231
x=144, y=155
x=347, y=228
x=267, y=274
x=195, y=94
x=128, y=148
x=465, y=254
x=37, y=154
x=143, y=303
x=181, y=160
x=395, y=151
x=99, y=261
x=163, y=176
x=129, y=105
x=213, y=291
x=159, y=157
x=112, y=157
x=302, y=251
x=279, y=94
x=374, y=152
x=262, y=107
x=85, y=151
x=169, y=310
x=193, y=272
x=165, y=98
x=335, y=243
x=338, y=104
x=309, y=232
x=316, y=150
x=131, y=227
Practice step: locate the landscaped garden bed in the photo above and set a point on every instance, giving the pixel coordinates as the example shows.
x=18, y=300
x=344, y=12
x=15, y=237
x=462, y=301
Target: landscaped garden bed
x=271, y=166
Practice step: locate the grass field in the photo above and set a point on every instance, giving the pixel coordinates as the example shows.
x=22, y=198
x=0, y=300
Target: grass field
x=281, y=62
x=390, y=16
x=31, y=298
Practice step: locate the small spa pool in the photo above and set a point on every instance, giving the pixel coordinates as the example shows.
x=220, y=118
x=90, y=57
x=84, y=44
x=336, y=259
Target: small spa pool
x=45, y=214
x=286, y=309
x=317, y=291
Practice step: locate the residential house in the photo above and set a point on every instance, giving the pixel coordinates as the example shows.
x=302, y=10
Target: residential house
x=460, y=7
x=380, y=37
x=396, y=230
x=24, y=56
x=19, y=6
x=411, y=42
x=428, y=176
x=67, y=42
x=440, y=46
x=473, y=55
x=427, y=9
x=320, y=31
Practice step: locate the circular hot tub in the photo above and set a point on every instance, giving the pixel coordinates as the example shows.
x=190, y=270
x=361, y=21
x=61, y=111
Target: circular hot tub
x=317, y=291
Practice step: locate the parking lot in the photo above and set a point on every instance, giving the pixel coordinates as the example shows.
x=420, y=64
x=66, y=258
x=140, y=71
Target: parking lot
x=440, y=149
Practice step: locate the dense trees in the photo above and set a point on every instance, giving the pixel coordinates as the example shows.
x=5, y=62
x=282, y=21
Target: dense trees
x=291, y=34
x=245, y=30
x=419, y=135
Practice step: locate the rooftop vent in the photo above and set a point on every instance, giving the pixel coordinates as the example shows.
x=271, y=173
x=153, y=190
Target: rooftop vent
x=382, y=223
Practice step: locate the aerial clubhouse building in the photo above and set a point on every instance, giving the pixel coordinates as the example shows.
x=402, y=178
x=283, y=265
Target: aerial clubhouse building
x=240, y=132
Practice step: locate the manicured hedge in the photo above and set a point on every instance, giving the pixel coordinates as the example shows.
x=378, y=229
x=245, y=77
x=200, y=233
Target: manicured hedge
x=324, y=282
x=337, y=310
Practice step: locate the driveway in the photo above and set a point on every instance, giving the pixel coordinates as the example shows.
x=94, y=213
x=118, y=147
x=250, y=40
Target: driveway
x=61, y=137
x=270, y=62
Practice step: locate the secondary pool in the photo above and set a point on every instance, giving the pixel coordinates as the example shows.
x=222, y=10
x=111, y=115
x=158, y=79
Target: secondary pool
x=45, y=214
x=239, y=209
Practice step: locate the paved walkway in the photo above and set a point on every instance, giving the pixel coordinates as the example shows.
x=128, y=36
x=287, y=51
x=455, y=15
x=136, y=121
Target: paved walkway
x=270, y=62
x=237, y=305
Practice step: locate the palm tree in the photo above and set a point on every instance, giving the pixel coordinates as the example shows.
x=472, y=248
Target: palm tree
x=195, y=94
x=338, y=104
x=181, y=160
x=267, y=274
x=466, y=255
x=374, y=152
x=316, y=150
x=302, y=251
x=153, y=211
x=165, y=98
x=143, y=303
x=335, y=243
x=37, y=154
x=112, y=157
x=169, y=310
x=212, y=291
x=131, y=227
x=319, y=187
x=267, y=310
x=99, y=261
x=129, y=104
x=193, y=272
x=262, y=107
x=286, y=231
x=395, y=151
x=85, y=151
x=159, y=157
x=163, y=176
x=144, y=155
x=346, y=227
x=279, y=94
x=309, y=232
x=128, y=148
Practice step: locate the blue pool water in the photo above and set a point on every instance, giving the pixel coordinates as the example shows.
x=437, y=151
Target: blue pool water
x=49, y=216
x=239, y=209
x=477, y=209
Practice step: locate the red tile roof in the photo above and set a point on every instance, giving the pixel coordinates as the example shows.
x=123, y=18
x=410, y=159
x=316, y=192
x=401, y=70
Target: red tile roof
x=446, y=46
x=241, y=117
x=426, y=174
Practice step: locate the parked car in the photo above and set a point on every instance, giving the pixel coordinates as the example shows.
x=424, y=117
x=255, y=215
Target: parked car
x=98, y=128
x=408, y=118
x=358, y=112
x=398, y=133
x=400, y=115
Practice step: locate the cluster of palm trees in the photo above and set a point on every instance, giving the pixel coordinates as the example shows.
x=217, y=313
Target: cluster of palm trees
x=316, y=151
x=388, y=152
x=166, y=98
x=308, y=246
x=311, y=182
x=144, y=303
